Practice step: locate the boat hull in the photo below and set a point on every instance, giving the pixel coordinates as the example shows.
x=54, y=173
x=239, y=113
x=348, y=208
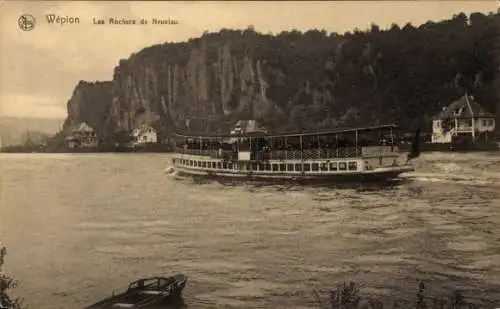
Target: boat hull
x=379, y=174
x=150, y=297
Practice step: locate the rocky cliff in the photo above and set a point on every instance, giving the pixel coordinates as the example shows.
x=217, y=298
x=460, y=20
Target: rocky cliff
x=209, y=85
x=298, y=80
x=90, y=103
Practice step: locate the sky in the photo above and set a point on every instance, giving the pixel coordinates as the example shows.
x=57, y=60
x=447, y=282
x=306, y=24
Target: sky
x=40, y=68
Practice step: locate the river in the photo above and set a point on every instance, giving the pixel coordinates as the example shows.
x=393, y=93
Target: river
x=78, y=226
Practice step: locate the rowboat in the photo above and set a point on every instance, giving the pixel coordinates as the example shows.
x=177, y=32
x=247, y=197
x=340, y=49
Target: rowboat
x=367, y=153
x=145, y=293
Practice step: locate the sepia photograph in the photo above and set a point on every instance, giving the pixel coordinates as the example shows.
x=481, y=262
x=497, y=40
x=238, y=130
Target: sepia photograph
x=250, y=154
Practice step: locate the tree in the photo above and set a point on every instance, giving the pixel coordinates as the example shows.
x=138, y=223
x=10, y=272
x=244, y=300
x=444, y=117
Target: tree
x=7, y=283
x=123, y=138
x=374, y=28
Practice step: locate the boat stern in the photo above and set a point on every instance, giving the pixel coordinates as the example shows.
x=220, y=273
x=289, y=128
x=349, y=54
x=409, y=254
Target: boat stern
x=385, y=160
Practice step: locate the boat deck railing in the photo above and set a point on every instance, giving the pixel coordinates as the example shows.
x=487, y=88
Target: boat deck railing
x=306, y=154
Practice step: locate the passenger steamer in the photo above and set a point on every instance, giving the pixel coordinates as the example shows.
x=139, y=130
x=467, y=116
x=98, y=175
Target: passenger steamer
x=369, y=153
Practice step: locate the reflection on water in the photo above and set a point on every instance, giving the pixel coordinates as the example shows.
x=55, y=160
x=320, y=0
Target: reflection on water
x=79, y=226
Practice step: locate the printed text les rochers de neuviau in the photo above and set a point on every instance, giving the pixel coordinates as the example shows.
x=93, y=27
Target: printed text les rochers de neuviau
x=69, y=20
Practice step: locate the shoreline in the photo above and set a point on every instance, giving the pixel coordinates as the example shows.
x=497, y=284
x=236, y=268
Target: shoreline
x=167, y=151
x=104, y=149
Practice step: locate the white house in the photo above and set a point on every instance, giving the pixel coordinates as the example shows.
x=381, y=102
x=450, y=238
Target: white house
x=248, y=126
x=83, y=136
x=144, y=135
x=462, y=117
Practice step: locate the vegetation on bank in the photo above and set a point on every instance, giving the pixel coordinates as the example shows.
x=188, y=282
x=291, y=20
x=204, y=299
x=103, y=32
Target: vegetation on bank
x=119, y=142
x=7, y=283
x=348, y=296
x=312, y=79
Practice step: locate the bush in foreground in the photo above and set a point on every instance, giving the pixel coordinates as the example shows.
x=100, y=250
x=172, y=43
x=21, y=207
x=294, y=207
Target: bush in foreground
x=347, y=296
x=7, y=283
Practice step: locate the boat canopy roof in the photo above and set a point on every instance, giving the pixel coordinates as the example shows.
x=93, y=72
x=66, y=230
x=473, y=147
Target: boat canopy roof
x=267, y=135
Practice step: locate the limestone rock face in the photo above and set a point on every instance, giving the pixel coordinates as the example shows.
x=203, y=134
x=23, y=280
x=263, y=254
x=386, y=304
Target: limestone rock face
x=210, y=85
x=90, y=103
x=295, y=80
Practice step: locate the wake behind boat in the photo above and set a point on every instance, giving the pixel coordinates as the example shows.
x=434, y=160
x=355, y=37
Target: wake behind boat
x=368, y=153
x=145, y=293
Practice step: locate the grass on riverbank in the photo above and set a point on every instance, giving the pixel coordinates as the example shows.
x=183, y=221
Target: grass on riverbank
x=7, y=283
x=347, y=296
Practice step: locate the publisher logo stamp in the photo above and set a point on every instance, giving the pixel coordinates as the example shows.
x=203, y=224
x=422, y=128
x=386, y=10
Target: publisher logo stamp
x=26, y=22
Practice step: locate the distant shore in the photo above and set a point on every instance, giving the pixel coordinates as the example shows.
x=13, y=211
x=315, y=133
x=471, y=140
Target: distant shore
x=454, y=147
x=155, y=148
x=163, y=148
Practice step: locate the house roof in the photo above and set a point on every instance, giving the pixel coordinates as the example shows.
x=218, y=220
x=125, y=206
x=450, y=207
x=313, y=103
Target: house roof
x=465, y=107
x=143, y=128
x=83, y=127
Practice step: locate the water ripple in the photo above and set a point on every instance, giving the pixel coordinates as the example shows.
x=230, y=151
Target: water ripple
x=86, y=225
